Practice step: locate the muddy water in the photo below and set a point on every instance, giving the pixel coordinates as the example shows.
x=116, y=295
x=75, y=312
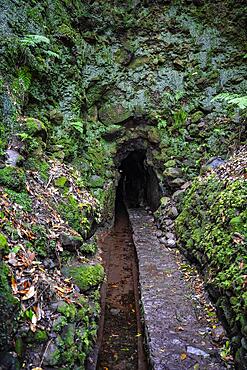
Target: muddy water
x=122, y=337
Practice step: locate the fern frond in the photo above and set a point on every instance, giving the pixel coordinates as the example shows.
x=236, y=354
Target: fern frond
x=232, y=99
x=33, y=40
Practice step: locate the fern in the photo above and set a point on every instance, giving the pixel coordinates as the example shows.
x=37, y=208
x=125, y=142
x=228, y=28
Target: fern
x=52, y=54
x=24, y=78
x=78, y=126
x=33, y=40
x=233, y=99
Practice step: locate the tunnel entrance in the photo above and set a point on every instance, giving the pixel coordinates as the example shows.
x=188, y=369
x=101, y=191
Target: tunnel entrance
x=138, y=184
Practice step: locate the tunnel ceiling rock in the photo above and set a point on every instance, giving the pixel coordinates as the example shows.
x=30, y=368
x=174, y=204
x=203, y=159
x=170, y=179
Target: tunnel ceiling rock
x=114, y=113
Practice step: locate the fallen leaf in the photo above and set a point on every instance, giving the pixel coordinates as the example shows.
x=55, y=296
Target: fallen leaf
x=30, y=293
x=183, y=356
x=14, y=285
x=34, y=319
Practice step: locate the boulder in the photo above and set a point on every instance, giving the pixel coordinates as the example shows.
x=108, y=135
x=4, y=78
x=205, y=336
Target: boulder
x=173, y=212
x=173, y=172
x=85, y=276
x=70, y=242
x=56, y=116
x=114, y=113
x=34, y=127
x=171, y=243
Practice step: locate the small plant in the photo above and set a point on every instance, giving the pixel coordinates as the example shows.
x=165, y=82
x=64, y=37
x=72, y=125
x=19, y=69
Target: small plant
x=24, y=136
x=33, y=40
x=78, y=126
x=226, y=351
x=179, y=117
x=232, y=99
x=162, y=123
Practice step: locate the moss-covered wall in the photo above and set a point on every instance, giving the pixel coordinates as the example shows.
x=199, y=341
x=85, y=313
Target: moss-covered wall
x=212, y=233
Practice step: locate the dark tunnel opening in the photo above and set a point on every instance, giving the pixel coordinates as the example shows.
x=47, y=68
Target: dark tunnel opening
x=138, y=185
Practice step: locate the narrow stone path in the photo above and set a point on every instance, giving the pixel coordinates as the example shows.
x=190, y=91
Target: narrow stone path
x=177, y=336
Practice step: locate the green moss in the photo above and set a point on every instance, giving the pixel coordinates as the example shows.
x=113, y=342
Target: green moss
x=88, y=248
x=12, y=177
x=68, y=310
x=3, y=244
x=9, y=309
x=61, y=182
x=23, y=199
x=75, y=214
x=40, y=336
x=59, y=323
x=69, y=335
x=55, y=357
x=41, y=166
x=196, y=116
x=212, y=229
x=19, y=346
x=35, y=127
x=86, y=276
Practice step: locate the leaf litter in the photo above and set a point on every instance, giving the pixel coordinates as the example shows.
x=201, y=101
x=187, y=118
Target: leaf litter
x=35, y=282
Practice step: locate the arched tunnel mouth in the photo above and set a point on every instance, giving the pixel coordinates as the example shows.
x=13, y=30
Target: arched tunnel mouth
x=138, y=185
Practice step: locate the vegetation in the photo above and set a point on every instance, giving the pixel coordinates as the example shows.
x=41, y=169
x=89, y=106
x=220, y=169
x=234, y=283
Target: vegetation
x=212, y=230
x=13, y=178
x=86, y=277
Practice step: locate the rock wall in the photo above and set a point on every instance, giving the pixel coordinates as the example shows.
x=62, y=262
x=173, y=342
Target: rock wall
x=212, y=232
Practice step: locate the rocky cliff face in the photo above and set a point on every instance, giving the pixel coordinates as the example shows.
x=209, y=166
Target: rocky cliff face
x=82, y=84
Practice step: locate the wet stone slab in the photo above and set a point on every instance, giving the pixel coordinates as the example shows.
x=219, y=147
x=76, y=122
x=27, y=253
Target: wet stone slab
x=177, y=337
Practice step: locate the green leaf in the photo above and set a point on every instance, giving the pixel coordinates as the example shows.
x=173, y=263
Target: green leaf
x=33, y=40
x=232, y=99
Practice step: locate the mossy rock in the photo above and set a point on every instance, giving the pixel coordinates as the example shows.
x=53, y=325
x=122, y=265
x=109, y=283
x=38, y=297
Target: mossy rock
x=154, y=135
x=56, y=116
x=173, y=172
x=12, y=177
x=9, y=308
x=34, y=127
x=196, y=117
x=212, y=231
x=71, y=242
x=139, y=62
x=52, y=356
x=85, y=276
x=96, y=181
x=114, y=113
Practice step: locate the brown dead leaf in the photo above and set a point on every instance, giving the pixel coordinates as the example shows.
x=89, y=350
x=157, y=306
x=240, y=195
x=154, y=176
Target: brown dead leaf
x=30, y=293
x=183, y=356
x=14, y=285
x=241, y=265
